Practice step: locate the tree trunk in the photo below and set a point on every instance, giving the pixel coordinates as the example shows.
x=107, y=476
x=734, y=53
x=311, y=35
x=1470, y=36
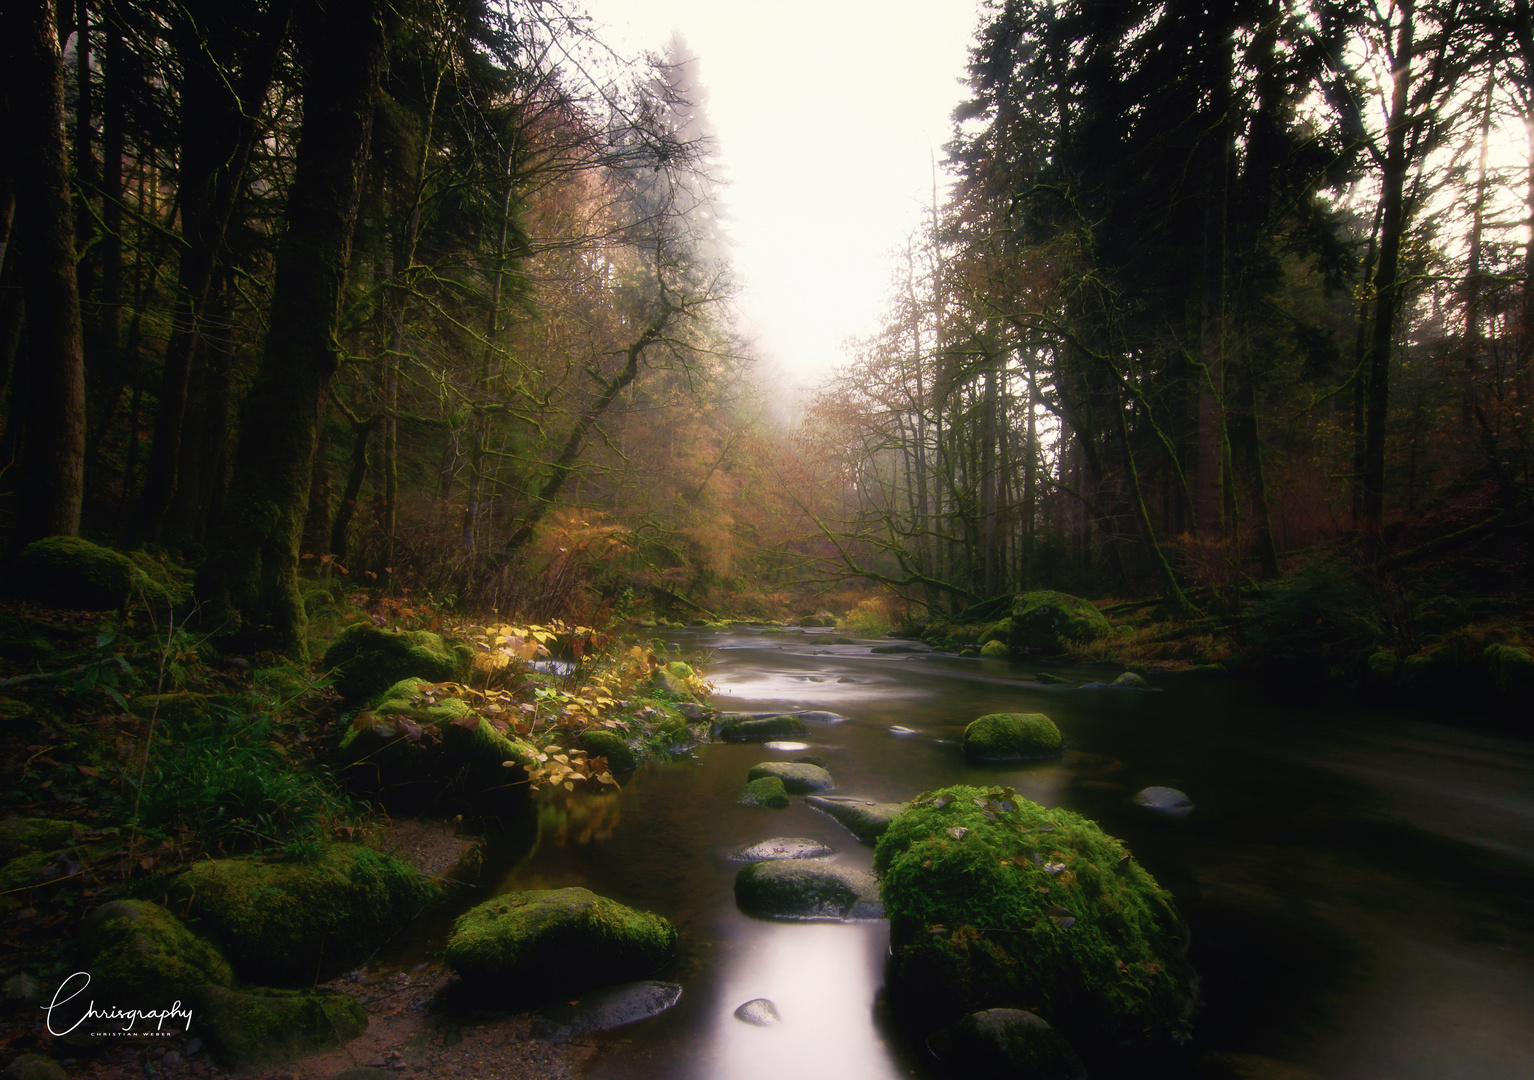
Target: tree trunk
x=52, y=440
x=250, y=582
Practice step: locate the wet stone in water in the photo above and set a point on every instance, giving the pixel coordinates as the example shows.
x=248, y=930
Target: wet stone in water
x=605, y=1009
x=759, y=1011
x=782, y=847
x=1165, y=800
x=785, y=747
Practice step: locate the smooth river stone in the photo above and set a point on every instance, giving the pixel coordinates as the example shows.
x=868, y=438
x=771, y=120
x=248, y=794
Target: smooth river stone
x=799, y=779
x=786, y=747
x=782, y=847
x=864, y=818
x=605, y=1009
x=807, y=889
x=759, y=1011
x=1165, y=800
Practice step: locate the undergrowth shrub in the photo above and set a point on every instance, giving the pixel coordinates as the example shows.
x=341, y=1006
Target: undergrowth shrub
x=1313, y=619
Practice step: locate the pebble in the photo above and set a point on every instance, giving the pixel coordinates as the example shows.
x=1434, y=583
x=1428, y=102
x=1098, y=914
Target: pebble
x=760, y=1012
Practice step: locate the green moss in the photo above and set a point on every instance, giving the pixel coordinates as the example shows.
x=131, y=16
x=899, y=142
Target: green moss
x=289, y=923
x=1383, y=664
x=367, y=661
x=261, y=1027
x=764, y=791
x=1011, y=736
x=1001, y=631
x=995, y=901
x=556, y=941
x=35, y=1067
x=609, y=744
x=1049, y=679
x=179, y=709
x=22, y=834
x=1511, y=670
x=996, y=649
x=745, y=729
x=136, y=950
x=801, y=778
x=67, y=572
x=1050, y=621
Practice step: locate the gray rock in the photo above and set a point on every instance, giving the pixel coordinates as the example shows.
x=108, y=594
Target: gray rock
x=734, y=729
x=864, y=818
x=1165, y=800
x=171, y=1059
x=34, y=1067
x=800, y=889
x=1005, y=1042
x=817, y=717
x=797, y=779
x=759, y=1011
x=605, y=1009
x=193, y=1047
x=782, y=847
x=896, y=729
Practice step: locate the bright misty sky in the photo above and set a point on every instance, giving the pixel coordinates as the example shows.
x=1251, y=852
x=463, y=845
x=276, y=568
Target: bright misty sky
x=829, y=116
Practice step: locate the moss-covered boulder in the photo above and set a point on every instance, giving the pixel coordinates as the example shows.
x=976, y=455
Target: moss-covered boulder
x=1048, y=621
x=995, y=649
x=67, y=572
x=864, y=818
x=997, y=902
x=674, y=681
x=249, y=1028
x=294, y=921
x=137, y=951
x=419, y=747
x=1005, y=1042
x=798, y=778
x=1011, y=737
x=1510, y=671
x=1001, y=631
x=366, y=661
x=20, y=835
x=600, y=742
x=765, y=729
x=550, y=942
x=807, y=889
x=764, y=791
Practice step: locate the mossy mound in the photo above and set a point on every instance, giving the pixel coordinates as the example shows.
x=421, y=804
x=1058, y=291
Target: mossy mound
x=261, y=1027
x=367, y=661
x=1049, y=621
x=765, y=791
x=550, y=942
x=23, y=834
x=749, y=729
x=798, y=778
x=67, y=572
x=292, y=922
x=609, y=744
x=864, y=818
x=1001, y=631
x=996, y=902
x=995, y=649
x=138, y=951
x=1012, y=737
x=807, y=889
x=673, y=681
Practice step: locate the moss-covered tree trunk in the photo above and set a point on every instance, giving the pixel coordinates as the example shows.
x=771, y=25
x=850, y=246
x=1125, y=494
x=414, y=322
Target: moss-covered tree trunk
x=51, y=443
x=251, y=580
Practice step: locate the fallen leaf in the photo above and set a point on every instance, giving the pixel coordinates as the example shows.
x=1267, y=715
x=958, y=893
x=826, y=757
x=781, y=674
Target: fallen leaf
x=957, y=832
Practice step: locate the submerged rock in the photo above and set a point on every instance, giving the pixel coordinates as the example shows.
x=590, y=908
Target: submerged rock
x=605, y=1009
x=760, y=1012
x=797, y=889
x=549, y=942
x=247, y=1028
x=367, y=661
x=766, y=791
x=1012, y=737
x=798, y=779
x=782, y=847
x=1049, y=679
x=745, y=729
x=1164, y=800
x=137, y=951
x=298, y=921
x=994, y=900
x=865, y=819
x=1005, y=1042
x=1049, y=621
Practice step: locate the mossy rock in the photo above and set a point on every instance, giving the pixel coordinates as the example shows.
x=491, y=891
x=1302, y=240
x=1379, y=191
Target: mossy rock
x=1049, y=621
x=1131, y=680
x=997, y=902
x=1005, y=1042
x=181, y=709
x=599, y=742
x=34, y=1067
x=749, y=729
x=672, y=686
x=455, y=766
x=765, y=791
x=995, y=649
x=807, y=889
x=1011, y=737
x=864, y=818
x=551, y=942
x=67, y=572
x=292, y=922
x=798, y=778
x=20, y=835
x=1511, y=671
x=138, y=951
x=367, y=661
x=1049, y=678
x=249, y=1028
x=1001, y=631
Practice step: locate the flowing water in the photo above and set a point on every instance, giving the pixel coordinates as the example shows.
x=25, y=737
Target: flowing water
x=1359, y=883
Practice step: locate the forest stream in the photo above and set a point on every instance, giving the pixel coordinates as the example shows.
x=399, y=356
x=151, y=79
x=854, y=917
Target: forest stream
x=1359, y=882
